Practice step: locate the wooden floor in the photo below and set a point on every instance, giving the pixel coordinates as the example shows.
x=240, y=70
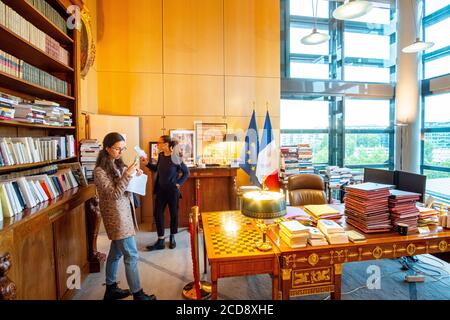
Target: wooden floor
x=165, y=272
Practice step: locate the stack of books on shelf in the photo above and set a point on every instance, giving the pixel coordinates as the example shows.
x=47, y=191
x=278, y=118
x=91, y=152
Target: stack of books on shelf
x=55, y=115
x=25, y=150
x=89, y=150
x=402, y=207
x=27, y=31
x=366, y=207
x=293, y=233
x=51, y=14
x=316, y=237
x=322, y=211
x=289, y=162
x=20, y=192
x=337, y=176
x=334, y=233
x=7, y=107
x=20, y=69
x=305, y=159
x=427, y=216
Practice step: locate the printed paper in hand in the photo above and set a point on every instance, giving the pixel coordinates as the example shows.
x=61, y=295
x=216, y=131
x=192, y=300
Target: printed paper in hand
x=138, y=184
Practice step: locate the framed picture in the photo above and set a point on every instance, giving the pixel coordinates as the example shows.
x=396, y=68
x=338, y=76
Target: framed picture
x=210, y=147
x=153, y=149
x=187, y=143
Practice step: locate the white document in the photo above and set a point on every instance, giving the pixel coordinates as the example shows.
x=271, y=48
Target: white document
x=138, y=184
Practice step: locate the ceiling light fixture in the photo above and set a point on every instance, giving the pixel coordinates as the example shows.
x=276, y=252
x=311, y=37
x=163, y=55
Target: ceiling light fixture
x=315, y=37
x=352, y=9
x=418, y=45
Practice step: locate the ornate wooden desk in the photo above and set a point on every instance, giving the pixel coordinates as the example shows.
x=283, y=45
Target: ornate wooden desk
x=313, y=270
x=229, y=240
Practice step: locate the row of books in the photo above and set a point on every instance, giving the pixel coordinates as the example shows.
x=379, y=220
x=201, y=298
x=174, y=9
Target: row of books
x=17, y=24
x=27, y=192
x=51, y=14
x=295, y=160
x=20, y=69
x=89, y=150
x=337, y=176
x=24, y=150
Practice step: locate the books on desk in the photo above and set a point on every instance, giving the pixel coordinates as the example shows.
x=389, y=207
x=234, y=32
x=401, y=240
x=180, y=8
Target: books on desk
x=402, y=207
x=293, y=233
x=322, y=211
x=316, y=237
x=427, y=216
x=334, y=233
x=366, y=207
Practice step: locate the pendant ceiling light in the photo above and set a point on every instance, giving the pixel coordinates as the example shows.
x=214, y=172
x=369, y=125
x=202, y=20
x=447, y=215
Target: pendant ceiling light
x=418, y=45
x=315, y=37
x=352, y=9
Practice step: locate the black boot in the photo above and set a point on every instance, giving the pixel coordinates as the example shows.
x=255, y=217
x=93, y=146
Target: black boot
x=158, y=245
x=172, y=243
x=141, y=295
x=113, y=292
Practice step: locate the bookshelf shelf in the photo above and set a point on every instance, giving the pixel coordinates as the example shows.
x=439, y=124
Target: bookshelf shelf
x=31, y=14
x=14, y=123
x=24, y=50
x=19, y=85
x=6, y=169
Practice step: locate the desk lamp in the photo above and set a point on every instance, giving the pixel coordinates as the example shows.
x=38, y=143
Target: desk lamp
x=263, y=205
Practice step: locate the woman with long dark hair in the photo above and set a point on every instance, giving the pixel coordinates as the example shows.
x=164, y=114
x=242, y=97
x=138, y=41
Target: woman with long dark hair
x=171, y=174
x=112, y=176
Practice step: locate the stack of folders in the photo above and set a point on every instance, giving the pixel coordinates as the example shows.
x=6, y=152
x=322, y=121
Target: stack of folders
x=19, y=193
x=293, y=233
x=427, y=216
x=322, y=211
x=334, y=233
x=366, y=207
x=402, y=207
x=316, y=237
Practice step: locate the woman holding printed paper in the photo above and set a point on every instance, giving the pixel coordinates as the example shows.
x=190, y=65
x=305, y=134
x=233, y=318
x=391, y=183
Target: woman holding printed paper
x=171, y=174
x=112, y=177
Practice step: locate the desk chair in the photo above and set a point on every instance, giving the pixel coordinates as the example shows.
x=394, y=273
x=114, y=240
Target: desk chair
x=305, y=189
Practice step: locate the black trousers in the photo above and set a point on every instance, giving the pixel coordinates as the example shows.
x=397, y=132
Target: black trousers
x=167, y=197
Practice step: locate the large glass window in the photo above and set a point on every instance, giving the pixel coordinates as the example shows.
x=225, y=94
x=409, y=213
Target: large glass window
x=432, y=6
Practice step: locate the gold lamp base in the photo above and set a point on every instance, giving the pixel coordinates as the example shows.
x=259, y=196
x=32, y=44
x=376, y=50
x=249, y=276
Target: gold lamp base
x=263, y=246
x=190, y=294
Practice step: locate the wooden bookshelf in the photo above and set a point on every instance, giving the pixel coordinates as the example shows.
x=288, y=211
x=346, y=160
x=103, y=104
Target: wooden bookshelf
x=19, y=167
x=30, y=13
x=18, y=85
x=24, y=50
x=14, y=123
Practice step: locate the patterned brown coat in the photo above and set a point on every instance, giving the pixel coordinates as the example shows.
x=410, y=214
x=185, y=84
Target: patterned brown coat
x=116, y=204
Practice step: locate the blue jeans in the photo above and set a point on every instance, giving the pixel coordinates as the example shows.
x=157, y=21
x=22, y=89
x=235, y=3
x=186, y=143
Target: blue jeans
x=126, y=248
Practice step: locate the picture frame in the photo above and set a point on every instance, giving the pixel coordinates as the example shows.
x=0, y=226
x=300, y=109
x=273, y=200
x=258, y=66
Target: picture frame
x=186, y=139
x=210, y=148
x=153, y=150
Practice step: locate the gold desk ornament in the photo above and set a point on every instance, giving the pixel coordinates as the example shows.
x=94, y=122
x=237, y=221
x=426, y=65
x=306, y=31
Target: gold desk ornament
x=263, y=205
x=203, y=287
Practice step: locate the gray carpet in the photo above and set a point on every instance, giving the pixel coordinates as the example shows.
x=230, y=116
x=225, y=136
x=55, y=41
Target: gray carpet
x=165, y=272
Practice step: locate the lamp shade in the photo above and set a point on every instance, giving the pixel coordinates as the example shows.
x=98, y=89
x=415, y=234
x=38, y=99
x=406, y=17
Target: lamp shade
x=315, y=37
x=417, y=46
x=352, y=10
x=263, y=205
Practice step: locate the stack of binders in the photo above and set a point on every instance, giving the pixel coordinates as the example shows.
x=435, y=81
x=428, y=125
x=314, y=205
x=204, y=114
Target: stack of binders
x=366, y=207
x=402, y=207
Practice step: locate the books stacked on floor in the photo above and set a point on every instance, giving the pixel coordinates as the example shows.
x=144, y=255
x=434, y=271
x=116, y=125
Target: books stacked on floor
x=24, y=150
x=289, y=162
x=402, y=207
x=27, y=31
x=293, y=233
x=337, y=176
x=334, y=232
x=21, y=192
x=322, y=211
x=366, y=207
x=89, y=150
x=427, y=217
x=316, y=237
x=305, y=158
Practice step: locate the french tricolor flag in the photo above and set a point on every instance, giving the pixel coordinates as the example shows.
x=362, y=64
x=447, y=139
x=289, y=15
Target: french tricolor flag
x=268, y=158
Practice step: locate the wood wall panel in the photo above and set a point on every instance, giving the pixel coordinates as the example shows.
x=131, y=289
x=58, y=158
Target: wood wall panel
x=130, y=93
x=241, y=92
x=193, y=36
x=193, y=95
x=129, y=35
x=252, y=38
